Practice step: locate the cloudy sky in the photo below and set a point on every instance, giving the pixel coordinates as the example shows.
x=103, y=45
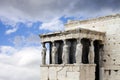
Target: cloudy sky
x=21, y=21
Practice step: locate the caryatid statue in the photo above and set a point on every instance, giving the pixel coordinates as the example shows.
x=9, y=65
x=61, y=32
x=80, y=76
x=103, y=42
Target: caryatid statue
x=54, y=52
x=43, y=52
x=78, y=54
x=65, y=55
x=91, y=53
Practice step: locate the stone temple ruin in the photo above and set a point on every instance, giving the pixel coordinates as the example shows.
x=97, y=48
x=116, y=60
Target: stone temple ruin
x=86, y=50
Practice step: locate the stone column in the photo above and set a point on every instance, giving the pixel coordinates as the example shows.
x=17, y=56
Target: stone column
x=65, y=55
x=78, y=54
x=54, y=52
x=91, y=53
x=43, y=52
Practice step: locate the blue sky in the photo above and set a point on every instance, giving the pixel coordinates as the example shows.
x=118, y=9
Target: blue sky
x=21, y=22
x=20, y=46
x=9, y=31
x=22, y=30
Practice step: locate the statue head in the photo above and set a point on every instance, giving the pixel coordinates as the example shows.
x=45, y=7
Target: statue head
x=53, y=43
x=78, y=40
x=65, y=42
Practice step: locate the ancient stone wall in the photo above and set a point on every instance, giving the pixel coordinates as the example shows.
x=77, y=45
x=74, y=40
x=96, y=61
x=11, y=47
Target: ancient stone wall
x=109, y=57
x=110, y=62
x=68, y=72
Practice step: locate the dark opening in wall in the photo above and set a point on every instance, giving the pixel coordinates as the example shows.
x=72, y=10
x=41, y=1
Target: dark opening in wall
x=50, y=57
x=113, y=59
x=116, y=70
x=97, y=47
x=85, y=50
x=109, y=72
x=59, y=52
x=108, y=55
x=72, y=44
x=104, y=60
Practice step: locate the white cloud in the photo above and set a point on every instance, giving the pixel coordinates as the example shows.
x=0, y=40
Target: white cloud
x=11, y=72
x=32, y=39
x=22, y=64
x=29, y=24
x=7, y=49
x=13, y=24
x=45, y=10
x=18, y=40
x=8, y=21
x=28, y=56
x=9, y=31
x=53, y=25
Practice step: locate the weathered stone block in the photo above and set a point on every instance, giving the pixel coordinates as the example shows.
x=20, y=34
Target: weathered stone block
x=52, y=73
x=76, y=68
x=73, y=76
x=44, y=73
x=61, y=74
x=70, y=68
x=106, y=29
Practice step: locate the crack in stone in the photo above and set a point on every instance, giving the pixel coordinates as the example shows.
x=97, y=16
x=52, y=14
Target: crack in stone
x=60, y=69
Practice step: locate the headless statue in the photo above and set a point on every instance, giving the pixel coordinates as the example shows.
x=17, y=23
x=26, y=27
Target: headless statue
x=43, y=54
x=54, y=52
x=91, y=54
x=78, y=54
x=65, y=56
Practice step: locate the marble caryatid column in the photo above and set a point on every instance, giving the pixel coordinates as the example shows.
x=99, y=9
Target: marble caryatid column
x=78, y=54
x=91, y=53
x=43, y=52
x=65, y=55
x=54, y=52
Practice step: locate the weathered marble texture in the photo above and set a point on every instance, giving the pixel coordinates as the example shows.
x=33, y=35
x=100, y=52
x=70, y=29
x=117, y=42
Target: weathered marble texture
x=54, y=53
x=106, y=29
x=65, y=55
x=91, y=54
x=68, y=72
x=78, y=54
x=43, y=52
